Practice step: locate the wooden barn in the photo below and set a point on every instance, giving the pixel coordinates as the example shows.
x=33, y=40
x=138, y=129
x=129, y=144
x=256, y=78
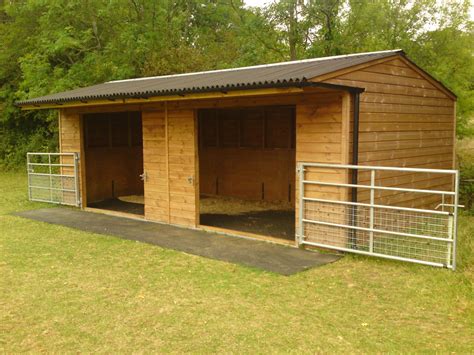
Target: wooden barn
x=219, y=149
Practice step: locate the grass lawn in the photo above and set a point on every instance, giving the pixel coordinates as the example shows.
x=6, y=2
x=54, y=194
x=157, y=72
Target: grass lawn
x=62, y=290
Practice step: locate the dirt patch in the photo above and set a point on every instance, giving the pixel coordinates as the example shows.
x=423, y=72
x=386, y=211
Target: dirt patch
x=275, y=219
x=133, y=199
x=236, y=206
x=119, y=205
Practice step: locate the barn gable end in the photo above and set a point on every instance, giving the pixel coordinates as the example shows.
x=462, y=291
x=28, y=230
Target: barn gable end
x=407, y=119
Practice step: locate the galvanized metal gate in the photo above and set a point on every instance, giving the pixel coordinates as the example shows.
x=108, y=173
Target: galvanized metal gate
x=397, y=214
x=53, y=177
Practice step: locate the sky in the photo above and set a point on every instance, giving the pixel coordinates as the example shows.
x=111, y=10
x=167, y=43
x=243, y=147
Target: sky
x=256, y=2
x=264, y=2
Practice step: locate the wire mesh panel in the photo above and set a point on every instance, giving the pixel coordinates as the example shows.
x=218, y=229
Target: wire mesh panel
x=410, y=219
x=53, y=177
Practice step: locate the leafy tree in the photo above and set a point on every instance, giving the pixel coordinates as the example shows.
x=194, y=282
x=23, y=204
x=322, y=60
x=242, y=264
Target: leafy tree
x=54, y=45
x=438, y=36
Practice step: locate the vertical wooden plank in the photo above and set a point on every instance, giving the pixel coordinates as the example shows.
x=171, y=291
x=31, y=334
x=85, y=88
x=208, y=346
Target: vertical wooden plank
x=318, y=127
x=454, y=148
x=345, y=139
x=154, y=164
x=182, y=153
x=197, y=173
x=60, y=135
x=82, y=164
x=71, y=141
x=454, y=134
x=167, y=160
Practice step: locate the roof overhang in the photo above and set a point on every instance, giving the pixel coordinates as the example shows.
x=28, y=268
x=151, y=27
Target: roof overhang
x=242, y=91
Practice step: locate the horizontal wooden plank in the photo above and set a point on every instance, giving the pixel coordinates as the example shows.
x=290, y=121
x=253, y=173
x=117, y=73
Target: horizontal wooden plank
x=366, y=76
x=313, y=137
x=155, y=214
x=416, y=181
x=154, y=146
x=366, y=117
x=396, y=62
x=182, y=221
x=153, y=121
x=397, y=127
x=403, y=144
x=158, y=203
x=319, y=128
x=411, y=161
x=396, y=108
x=404, y=153
x=318, y=157
x=386, y=98
x=396, y=70
x=390, y=88
x=405, y=135
x=309, y=116
x=314, y=146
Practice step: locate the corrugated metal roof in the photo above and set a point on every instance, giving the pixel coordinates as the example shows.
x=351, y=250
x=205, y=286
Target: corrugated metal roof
x=277, y=74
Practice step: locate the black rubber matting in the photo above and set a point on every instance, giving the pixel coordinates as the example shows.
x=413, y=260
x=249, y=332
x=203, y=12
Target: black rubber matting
x=258, y=254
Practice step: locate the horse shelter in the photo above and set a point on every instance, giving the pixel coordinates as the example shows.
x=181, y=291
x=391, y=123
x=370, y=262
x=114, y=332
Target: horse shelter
x=353, y=153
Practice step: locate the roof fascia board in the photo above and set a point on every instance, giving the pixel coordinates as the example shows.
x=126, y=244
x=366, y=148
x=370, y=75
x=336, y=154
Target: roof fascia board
x=291, y=89
x=182, y=97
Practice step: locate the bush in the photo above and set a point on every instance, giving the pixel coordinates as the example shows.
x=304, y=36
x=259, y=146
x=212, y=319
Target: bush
x=465, y=156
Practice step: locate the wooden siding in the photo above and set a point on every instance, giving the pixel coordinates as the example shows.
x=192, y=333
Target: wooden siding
x=322, y=128
x=169, y=154
x=406, y=120
x=155, y=166
x=183, y=173
x=71, y=141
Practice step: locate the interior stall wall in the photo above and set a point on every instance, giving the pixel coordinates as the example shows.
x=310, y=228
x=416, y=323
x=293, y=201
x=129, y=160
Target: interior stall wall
x=248, y=153
x=169, y=153
x=114, y=157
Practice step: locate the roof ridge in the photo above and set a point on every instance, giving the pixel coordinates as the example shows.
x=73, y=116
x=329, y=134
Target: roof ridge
x=257, y=66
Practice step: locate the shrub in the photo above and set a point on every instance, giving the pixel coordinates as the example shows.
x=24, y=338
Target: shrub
x=465, y=156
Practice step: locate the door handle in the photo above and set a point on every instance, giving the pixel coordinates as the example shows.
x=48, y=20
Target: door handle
x=143, y=177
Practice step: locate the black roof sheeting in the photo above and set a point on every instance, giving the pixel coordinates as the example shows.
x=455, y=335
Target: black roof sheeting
x=278, y=74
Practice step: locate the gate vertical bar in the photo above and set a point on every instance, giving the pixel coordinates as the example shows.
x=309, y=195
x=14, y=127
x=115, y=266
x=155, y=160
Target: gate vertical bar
x=50, y=178
x=451, y=235
x=301, y=204
x=405, y=232
x=372, y=202
x=76, y=180
x=61, y=171
x=455, y=217
x=54, y=191
x=29, y=175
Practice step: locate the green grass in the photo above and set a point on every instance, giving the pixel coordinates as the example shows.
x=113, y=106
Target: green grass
x=62, y=290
